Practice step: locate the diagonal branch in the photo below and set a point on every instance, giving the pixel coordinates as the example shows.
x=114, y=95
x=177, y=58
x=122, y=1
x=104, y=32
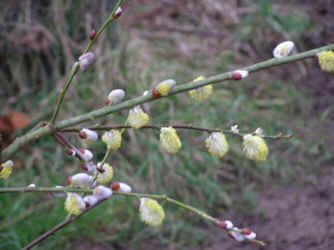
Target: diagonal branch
x=67, y=221
x=76, y=68
x=47, y=130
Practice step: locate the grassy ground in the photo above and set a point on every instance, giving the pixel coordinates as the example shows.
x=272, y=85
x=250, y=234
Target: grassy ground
x=135, y=55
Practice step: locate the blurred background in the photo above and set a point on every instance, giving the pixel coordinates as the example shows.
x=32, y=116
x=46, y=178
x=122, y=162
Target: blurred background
x=286, y=199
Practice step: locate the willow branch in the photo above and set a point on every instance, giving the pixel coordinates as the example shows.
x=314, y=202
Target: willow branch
x=58, y=227
x=158, y=127
x=137, y=195
x=47, y=130
x=76, y=68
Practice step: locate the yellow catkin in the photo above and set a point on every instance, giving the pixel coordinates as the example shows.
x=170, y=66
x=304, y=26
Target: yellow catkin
x=107, y=175
x=326, y=60
x=217, y=144
x=112, y=139
x=74, y=204
x=137, y=117
x=164, y=87
x=6, y=169
x=169, y=140
x=151, y=212
x=255, y=147
x=201, y=94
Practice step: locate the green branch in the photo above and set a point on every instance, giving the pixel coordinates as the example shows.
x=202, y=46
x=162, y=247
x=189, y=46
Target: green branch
x=47, y=130
x=137, y=195
x=76, y=68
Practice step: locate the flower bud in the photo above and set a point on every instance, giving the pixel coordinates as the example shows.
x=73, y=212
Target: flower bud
x=85, y=154
x=92, y=34
x=228, y=224
x=118, y=12
x=88, y=134
x=283, y=49
x=6, y=169
x=125, y=188
x=85, y=60
x=255, y=147
x=237, y=236
x=137, y=117
x=217, y=144
x=115, y=96
x=115, y=186
x=239, y=74
x=245, y=231
x=202, y=93
x=250, y=236
x=112, y=139
x=151, y=212
x=235, y=129
x=74, y=204
x=32, y=186
x=259, y=132
x=90, y=200
x=105, y=176
x=81, y=180
x=163, y=88
x=102, y=192
x=88, y=166
x=169, y=140
x=326, y=60
x=70, y=152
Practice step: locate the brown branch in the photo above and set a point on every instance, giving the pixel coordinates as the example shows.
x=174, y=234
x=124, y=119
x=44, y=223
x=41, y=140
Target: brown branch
x=103, y=128
x=58, y=227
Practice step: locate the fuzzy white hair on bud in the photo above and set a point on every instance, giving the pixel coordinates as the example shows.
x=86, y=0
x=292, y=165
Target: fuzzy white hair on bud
x=283, y=49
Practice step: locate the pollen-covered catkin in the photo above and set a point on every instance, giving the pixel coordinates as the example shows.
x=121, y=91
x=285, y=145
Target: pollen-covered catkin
x=202, y=93
x=326, y=60
x=137, y=117
x=255, y=147
x=217, y=144
x=151, y=212
x=169, y=140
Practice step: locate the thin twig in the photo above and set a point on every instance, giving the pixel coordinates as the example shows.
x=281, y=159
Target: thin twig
x=137, y=195
x=103, y=128
x=58, y=227
x=47, y=130
x=76, y=68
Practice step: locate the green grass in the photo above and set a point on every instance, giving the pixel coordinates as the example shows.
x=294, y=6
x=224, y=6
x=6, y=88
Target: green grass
x=192, y=175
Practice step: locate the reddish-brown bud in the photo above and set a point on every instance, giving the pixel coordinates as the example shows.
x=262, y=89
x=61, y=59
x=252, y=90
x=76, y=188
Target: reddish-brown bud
x=246, y=231
x=118, y=12
x=229, y=233
x=222, y=224
x=69, y=180
x=92, y=34
x=70, y=152
x=83, y=135
x=115, y=186
x=87, y=204
x=84, y=166
x=155, y=93
x=100, y=169
x=236, y=76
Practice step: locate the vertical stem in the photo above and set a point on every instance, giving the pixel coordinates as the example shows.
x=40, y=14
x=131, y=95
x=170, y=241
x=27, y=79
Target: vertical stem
x=63, y=93
x=76, y=68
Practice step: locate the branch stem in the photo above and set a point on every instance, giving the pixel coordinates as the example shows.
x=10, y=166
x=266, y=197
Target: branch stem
x=47, y=130
x=158, y=127
x=76, y=68
x=137, y=195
